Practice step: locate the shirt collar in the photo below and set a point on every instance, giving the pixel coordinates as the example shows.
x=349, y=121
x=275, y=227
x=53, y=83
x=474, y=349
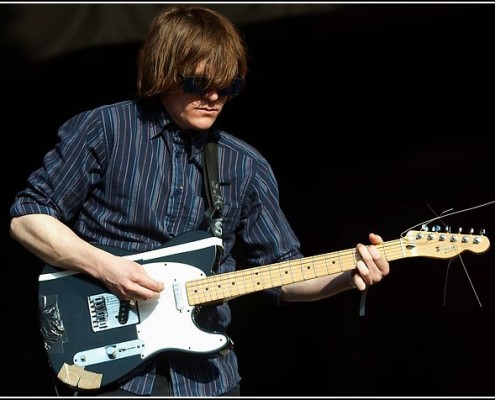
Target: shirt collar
x=165, y=127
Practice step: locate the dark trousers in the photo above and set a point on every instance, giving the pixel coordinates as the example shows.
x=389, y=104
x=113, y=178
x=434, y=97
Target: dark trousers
x=161, y=388
x=159, y=391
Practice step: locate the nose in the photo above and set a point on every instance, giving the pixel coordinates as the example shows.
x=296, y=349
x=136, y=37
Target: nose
x=211, y=95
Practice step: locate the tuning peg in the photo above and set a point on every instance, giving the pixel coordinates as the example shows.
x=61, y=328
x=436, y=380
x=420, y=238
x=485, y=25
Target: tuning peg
x=482, y=232
x=424, y=227
x=471, y=231
x=448, y=228
x=460, y=229
x=436, y=228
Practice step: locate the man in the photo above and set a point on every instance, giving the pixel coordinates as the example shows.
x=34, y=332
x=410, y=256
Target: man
x=130, y=176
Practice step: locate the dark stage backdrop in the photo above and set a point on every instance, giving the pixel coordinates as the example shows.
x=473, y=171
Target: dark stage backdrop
x=374, y=118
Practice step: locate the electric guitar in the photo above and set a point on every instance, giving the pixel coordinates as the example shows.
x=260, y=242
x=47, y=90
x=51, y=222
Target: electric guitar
x=94, y=339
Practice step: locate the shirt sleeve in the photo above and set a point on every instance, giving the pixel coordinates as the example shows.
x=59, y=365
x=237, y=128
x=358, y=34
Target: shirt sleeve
x=266, y=233
x=68, y=172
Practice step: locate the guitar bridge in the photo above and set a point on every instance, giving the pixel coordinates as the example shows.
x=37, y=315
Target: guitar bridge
x=107, y=311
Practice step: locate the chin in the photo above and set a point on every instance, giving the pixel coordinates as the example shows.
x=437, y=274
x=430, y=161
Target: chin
x=202, y=125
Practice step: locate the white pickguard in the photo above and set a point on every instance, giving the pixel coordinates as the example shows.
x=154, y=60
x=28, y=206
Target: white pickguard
x=167, y=323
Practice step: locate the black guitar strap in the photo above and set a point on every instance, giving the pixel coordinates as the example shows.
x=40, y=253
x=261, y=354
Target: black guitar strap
x=213, y=214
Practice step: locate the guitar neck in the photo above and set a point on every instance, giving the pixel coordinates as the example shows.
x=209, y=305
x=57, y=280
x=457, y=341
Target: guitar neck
x=414, y=244
x=233, y=284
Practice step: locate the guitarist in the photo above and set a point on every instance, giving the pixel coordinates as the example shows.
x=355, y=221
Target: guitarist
x=129, y=176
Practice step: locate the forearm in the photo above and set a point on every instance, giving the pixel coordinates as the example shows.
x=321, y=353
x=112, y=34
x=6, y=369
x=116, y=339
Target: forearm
x=55, y=243
x=317, y=289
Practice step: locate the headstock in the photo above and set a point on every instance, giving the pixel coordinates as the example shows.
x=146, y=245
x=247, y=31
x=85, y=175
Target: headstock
x=437, y=244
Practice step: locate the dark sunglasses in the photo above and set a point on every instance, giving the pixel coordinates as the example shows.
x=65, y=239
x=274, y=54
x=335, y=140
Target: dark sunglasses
x=198, y=85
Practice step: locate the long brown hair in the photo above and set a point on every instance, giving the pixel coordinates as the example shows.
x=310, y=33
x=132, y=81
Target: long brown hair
x=182, y=37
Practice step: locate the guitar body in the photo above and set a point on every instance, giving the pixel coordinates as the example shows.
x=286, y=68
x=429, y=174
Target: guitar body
x=93, y=339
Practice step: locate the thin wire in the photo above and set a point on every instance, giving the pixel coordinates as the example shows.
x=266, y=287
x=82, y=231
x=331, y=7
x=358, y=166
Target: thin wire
x=447, y=215
x=463, y=267
x=423, y=224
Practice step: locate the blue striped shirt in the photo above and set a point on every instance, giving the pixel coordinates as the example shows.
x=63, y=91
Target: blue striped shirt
x=122, y=175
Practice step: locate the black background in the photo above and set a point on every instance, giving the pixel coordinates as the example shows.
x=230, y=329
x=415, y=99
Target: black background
x=374, y=118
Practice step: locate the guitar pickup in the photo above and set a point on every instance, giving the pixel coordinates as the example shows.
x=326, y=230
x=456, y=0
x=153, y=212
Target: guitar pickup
x=107, y=311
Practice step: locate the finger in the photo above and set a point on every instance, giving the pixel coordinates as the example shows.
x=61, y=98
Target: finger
x=147, y=294
x=374, y=259
x=141, y=288
x=380, y=266
x=153, y=285
x=141, y=293
x=375, y=239
x=359, y=282
x=149, y=289
x=145, y=281
x=368, y=260
x=364, y=273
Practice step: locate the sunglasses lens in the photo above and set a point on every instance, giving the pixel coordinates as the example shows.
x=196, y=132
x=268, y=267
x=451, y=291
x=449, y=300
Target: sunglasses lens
x=197, y=85
x=234, y=89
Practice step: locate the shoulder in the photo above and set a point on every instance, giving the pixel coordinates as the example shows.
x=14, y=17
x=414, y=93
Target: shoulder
x=104, y=119
x=99, y=124
x=107, y=110
x=232, y=144
x=243, y=162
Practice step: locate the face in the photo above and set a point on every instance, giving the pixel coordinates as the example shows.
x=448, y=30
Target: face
x=192, y=111
x=192, y=108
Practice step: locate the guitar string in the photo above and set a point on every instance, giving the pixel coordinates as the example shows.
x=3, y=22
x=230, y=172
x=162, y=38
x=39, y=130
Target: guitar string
x=259, y=278
x=253, y=278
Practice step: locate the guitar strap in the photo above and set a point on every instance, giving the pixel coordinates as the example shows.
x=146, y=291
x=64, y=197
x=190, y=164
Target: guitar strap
x=213, y=214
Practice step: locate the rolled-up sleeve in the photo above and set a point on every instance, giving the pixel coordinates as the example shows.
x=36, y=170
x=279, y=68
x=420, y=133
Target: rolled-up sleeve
x=68, y=172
